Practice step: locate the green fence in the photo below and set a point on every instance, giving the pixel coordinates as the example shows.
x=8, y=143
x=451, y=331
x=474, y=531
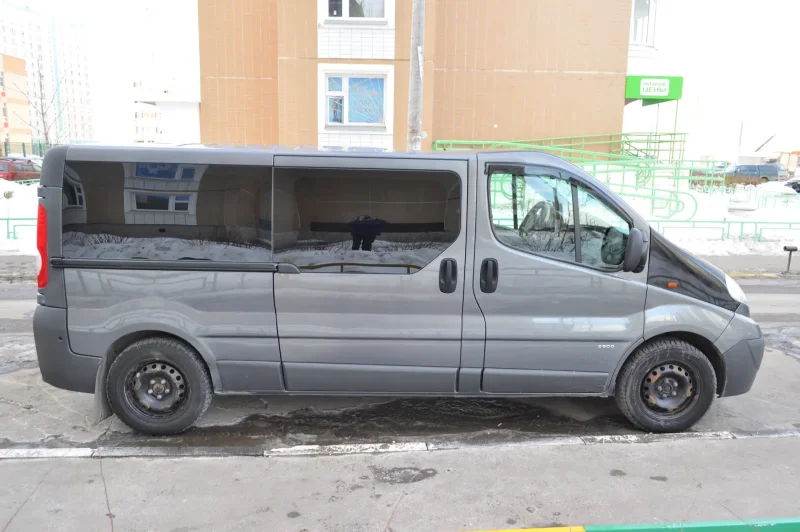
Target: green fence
x=13, y=224
x=25, y=149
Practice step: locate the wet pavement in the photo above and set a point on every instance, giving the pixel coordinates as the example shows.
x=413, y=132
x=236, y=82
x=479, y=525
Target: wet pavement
x=36, y=414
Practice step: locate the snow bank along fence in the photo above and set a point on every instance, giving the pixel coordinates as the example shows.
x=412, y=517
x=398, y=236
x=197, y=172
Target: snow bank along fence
x=771, y=525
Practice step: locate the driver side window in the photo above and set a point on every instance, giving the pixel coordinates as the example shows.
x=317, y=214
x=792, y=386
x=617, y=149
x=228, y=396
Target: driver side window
x=534, y=211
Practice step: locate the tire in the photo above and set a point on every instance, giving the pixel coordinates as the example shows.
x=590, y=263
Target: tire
x=667, y=361
x=158, y=386
x=764, y=179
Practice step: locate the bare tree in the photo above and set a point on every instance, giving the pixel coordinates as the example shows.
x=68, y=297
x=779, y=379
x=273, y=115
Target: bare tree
x=45, y=115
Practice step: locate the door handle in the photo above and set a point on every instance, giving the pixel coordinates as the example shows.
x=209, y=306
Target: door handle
x=489, y=275
x=448, y=276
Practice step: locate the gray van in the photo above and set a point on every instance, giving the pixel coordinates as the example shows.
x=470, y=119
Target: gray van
x=171, y=274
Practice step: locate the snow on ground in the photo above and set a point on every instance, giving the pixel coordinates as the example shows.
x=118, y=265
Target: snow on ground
x=83, y=246
x=384, y=253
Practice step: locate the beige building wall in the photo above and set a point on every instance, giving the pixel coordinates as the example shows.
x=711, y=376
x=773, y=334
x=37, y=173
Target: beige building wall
x=499, y=70
x=14, y=111
x=238, y=71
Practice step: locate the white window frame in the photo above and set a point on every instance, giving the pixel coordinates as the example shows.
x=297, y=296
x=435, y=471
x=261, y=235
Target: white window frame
x=327, y=70
x=345, y=20
x=172, y=195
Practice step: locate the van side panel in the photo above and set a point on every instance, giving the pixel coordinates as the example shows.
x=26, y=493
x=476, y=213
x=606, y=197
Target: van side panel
x=228, y=317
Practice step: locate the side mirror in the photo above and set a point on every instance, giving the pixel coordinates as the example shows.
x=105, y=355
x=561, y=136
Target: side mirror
x=634, y=251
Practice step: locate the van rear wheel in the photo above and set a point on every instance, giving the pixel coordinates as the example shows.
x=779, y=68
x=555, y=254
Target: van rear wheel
x=667, y=386
x=158, y=386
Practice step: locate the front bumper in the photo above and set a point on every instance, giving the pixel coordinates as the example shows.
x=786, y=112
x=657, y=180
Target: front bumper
x=742, y=362
x=59, y=366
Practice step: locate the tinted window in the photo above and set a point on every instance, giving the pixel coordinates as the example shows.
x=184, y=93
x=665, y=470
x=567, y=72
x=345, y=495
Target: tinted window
x=533, y=211
x=155, y=211
x=364, y=221
x=769, y=170
x=3, y=167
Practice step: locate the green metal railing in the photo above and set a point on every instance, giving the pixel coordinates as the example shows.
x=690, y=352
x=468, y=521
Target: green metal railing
x=665, y=183
x=12, y=224
x=759, y=231
x=23, y=148
x=670, y=146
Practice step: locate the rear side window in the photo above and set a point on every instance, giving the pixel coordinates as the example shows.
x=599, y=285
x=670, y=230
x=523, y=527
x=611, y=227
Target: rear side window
x=157, y=211
x=3, y=167
x=364, y=221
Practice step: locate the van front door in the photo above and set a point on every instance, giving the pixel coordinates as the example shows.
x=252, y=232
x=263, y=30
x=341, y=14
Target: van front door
x=559, y=316
x=380, y=246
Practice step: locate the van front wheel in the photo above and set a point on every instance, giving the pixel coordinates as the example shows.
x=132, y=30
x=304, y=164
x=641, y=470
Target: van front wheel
x=667, y=386
x=158, y=386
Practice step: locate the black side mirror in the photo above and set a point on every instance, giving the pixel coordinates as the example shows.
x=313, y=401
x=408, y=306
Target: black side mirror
x=634, y=251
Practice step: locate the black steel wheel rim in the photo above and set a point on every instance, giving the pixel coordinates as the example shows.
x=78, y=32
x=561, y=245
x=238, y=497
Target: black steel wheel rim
x=669, y=388
x=156, y=389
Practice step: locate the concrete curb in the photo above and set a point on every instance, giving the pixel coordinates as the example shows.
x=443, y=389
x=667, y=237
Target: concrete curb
x=375, y=448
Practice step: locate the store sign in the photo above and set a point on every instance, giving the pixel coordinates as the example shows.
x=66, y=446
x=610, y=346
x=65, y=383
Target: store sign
x=655, y=88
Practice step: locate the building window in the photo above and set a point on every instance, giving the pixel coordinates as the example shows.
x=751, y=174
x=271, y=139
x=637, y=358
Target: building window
x=161, y=202
x=357, y=9
x=643, y=28
x=360, y=96
x=356, y=100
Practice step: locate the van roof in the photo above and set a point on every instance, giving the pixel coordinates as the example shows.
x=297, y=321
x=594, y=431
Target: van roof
x=83, y=152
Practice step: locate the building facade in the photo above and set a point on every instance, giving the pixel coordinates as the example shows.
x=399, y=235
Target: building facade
x=15, y=120
x=57, y=64
x=166, y=71
x=335, y=72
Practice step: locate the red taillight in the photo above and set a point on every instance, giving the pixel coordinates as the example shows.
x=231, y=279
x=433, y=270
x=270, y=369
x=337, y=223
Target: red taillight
x=41, y=245
x=5, y=175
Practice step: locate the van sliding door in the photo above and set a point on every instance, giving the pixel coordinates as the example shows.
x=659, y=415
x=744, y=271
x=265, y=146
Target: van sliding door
x=380, y=247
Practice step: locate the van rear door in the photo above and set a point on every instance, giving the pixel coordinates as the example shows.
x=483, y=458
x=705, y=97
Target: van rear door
x=379, y=244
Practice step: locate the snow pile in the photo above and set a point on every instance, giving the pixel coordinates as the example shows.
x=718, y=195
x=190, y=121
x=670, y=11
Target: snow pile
x=21, y=203
x=402, y=254
x=102, y=246
x=778, y=187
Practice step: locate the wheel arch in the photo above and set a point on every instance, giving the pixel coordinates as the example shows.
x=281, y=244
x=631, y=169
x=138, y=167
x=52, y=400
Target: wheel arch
x=702, y=343
x=121, y=343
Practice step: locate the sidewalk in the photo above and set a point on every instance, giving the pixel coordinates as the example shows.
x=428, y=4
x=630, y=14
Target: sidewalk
x=481, y=488
x=754, y=263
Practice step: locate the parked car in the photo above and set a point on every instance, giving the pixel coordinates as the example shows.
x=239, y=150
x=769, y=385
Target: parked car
x=783, y=173
x=751, y=174
x=170, y=274
x=18, y=169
